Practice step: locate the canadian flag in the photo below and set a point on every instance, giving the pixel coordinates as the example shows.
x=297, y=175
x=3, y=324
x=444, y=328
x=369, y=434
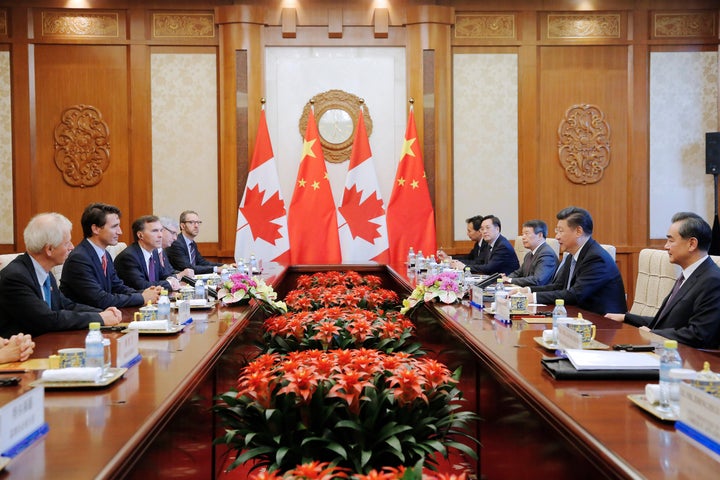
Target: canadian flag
x=312, y=219
x=410, y=215
x=363, y=227
x=262, y=221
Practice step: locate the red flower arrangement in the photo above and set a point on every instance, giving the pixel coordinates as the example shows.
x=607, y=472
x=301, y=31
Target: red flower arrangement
x=356, y=409
x=341, y=296
x=331, y=279
x=335, y=327
x=325, y=471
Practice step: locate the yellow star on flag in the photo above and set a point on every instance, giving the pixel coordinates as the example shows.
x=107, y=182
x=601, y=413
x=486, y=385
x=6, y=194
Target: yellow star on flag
x=307, y=148
x=414, y=184
x=315, y=185
x=407, y=147
x=401, y=182
x=302, y=182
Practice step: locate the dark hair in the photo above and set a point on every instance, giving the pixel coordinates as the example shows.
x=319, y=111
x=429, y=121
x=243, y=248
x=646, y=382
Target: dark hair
x=577, y=217
x=692, y=225
x=495, y=220
x=139, y=224
x=538, y=226
x=476, y=221
x=184, y=215
x=96, y=214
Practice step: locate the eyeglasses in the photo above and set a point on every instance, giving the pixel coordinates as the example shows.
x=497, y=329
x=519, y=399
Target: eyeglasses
x=193, y=222
x=172, y=232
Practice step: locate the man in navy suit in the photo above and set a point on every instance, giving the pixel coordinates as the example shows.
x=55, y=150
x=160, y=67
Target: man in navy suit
x=170, y=232
x=183, y=253
x=589, y=278
x=29, y=297
x=690, y=313
x=495, y=255
x=89, y=274
x=139, y=265
x=474, y=234
x=540, y=262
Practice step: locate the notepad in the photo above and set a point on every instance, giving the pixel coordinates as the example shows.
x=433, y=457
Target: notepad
x=612, y=360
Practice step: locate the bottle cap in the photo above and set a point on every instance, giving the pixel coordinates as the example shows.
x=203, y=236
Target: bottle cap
x=559, y=301
x=670, y=344
x=94, y=325
x=163, y=292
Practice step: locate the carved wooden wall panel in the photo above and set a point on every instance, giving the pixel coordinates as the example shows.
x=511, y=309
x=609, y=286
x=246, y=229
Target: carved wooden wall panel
x=82, y=146
x=583, y=25
x=80, y=24
x=485, y=26
x=190, y=25
x=584, y=144
x=685, y=24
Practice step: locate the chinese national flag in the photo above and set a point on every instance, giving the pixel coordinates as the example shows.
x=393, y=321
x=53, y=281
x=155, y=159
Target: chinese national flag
x=262, y=221
x=363, y=229
x=312, y=219
x=410, y=215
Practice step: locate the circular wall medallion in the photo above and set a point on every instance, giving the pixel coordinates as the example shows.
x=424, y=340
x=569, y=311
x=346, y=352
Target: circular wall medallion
x=336, y=113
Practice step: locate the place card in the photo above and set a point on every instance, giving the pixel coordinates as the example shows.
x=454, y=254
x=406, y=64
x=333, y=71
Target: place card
x=502, y=310
x=127, y=349
x=700, y=411
x=183, y=311
x=21, y=421
x=569, y=338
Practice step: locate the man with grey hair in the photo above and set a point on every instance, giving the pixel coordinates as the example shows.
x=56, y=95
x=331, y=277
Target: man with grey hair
x=30, y=300
x=690, y=312
x=170, y=231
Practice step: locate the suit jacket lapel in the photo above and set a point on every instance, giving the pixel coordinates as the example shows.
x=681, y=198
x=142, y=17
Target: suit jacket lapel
x=686, y=286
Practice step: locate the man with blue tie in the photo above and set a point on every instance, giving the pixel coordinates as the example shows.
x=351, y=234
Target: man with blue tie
x=690, y=313
x=89, y=274
x=139, y=265
x=589, y=277
x=29, y=297
x=540, y=262
x=183, y=253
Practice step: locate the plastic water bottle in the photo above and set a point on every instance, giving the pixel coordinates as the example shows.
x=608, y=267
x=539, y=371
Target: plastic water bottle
x=558, y=312
x=419, y=262
x=163, y=312
x=94, y=348
x=253, y=265
x=200, y=290
x=669, y=387
x=224, y=275
x=411, y=258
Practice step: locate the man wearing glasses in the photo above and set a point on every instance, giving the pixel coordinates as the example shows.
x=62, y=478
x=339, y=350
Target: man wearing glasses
x=183, y=252
x=170, y=232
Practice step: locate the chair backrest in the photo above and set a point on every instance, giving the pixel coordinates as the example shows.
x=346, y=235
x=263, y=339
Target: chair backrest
x=520, y=250
x=7, y=258
x=113, y=250
x=656, y=277
x=610, y=249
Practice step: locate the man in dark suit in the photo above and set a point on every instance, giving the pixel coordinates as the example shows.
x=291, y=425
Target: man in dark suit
x=496, y=254
x=690, y=313
x=540, y=262
x=589, y=278
x=139, y=265
x=474, y=234
x=170, y=232
x=29, y=297
x=183, y=253
x=89, y=273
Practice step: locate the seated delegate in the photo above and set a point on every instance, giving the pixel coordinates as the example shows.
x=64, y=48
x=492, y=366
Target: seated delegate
x=540, y=263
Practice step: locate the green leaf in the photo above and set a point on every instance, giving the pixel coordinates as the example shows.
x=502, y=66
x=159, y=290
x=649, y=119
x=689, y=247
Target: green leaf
x=255, y=452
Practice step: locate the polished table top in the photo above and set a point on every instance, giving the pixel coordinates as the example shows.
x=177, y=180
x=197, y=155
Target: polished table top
x=594, y=415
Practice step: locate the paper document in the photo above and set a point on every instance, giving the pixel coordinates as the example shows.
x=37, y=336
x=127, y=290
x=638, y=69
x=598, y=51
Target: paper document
x=612, y=360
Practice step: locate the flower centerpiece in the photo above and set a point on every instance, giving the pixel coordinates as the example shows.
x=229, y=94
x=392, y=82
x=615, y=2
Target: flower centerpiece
x=335, y=327
x=325, y=471
x=356, y=409
x=241, y=288
x=333, y=278
x=444, y=287
x=361, y=296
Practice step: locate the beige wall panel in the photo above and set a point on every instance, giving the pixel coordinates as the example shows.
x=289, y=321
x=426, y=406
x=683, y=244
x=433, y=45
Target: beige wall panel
x=485, y=119
x=683, y=106
x=594, y=75
x=6, y=172
x=184, y=137
x=67, y=76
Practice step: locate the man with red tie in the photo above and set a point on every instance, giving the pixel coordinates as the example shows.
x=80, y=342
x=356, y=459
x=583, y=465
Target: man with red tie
x=89, y=275
x=139, y=265
x=690, y=312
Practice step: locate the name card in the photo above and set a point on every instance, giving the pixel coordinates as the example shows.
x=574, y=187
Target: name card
x=127, y=349
x=569, y=338
x=183, y=311
x=20, y=419
x=477, y=297
x=502, y=310
x=700, y=411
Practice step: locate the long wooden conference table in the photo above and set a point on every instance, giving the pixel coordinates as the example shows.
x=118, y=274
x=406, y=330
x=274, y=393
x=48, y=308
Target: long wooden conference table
x=156, y=421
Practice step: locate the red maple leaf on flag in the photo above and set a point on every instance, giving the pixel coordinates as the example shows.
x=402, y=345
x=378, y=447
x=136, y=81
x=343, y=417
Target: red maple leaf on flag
x=358, y=214
x=260, y=215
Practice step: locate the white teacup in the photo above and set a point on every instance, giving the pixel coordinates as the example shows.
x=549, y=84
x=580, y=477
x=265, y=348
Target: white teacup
x=582, y=326
x=71, y=357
